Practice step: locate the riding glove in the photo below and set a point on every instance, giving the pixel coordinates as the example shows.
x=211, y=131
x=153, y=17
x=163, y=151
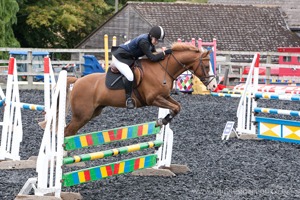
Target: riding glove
x=168, y=51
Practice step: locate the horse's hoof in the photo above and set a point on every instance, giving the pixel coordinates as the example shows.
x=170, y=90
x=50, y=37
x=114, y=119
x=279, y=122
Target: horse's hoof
x=164, y=121
x=65, y=153
x=159, y=122
x=42, y=124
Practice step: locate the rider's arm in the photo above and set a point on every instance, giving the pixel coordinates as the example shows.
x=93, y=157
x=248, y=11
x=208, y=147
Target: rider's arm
x=153, y=49
x=145, y=47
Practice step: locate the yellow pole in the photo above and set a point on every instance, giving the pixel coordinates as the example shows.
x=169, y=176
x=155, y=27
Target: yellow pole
x=114, y=43
x=106, y=51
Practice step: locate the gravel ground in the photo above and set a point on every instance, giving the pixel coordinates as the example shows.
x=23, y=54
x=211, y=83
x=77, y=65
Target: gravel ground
x=234, y=169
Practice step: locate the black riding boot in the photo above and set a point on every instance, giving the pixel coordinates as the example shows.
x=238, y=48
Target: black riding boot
x=128, y=90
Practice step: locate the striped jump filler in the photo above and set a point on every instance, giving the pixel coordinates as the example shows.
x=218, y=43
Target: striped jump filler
x=108, y=136
x=112, y=152
x=32, y=107
x=109, y=170
x=277, y=111
x=287, y=97
x=25, y=106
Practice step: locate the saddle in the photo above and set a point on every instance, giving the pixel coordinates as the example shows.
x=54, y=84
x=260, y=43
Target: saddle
x=114, y=81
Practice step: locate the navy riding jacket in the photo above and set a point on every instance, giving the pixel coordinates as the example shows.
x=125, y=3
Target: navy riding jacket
x=138, y=47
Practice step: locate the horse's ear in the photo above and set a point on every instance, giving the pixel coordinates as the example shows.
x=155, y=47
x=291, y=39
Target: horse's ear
x=207, y=53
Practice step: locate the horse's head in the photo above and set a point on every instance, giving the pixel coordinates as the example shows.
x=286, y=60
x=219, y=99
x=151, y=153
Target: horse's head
x=207, y=77
x=197, y=62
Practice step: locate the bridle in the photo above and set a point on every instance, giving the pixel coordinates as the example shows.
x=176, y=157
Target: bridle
x=200, y=65
x=207, y=76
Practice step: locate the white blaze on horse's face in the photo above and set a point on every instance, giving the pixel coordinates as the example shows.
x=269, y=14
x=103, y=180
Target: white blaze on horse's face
x=212, y=86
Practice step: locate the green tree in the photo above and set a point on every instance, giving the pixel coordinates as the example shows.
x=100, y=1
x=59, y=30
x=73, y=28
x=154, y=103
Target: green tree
x=58, y=23
x=8, y=11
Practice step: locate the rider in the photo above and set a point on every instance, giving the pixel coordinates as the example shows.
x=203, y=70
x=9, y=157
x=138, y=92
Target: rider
x=127, y=53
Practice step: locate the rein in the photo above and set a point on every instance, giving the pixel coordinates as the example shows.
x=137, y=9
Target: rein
x=166, y=69
x=203, y=79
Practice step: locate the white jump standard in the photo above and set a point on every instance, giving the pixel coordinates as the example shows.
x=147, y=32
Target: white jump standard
x=12, y=129
x=252, y=126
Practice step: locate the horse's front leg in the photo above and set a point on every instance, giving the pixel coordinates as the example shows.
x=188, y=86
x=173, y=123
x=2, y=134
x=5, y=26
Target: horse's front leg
x=168, y=103
x=167, y=119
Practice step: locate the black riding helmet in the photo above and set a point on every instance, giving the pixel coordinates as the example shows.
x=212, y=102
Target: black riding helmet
x=157, y=32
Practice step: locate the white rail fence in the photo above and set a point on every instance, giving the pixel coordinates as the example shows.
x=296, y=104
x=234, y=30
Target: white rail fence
x=75, y=58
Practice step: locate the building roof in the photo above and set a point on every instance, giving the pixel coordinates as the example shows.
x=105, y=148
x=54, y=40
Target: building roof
x=236, y=27
x=290, y=8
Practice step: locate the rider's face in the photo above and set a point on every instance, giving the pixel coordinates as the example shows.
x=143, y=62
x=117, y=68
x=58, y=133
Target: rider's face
x=154, y=41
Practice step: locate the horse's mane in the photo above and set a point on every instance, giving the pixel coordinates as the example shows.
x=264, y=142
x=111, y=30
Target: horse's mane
x=180, y=46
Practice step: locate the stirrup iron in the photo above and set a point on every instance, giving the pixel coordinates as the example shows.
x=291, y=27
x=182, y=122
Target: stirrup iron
x=130, y=104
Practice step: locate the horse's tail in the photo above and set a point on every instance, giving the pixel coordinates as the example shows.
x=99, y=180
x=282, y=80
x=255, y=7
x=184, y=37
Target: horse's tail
x=70, y=80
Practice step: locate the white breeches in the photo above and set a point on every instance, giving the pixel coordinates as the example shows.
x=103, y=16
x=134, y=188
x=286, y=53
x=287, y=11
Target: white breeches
x=124, y=69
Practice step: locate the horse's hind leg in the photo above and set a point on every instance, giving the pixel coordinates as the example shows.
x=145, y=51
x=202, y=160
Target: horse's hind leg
x=74, y=125
x=80, y=117
x=97, y=111
x=78, y=121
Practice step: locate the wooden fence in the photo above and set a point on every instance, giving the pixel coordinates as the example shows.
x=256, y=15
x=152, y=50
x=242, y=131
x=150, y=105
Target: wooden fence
x=234, y=61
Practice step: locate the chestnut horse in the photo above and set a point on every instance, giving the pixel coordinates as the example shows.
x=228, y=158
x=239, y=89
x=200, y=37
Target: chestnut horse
x=154, y=83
